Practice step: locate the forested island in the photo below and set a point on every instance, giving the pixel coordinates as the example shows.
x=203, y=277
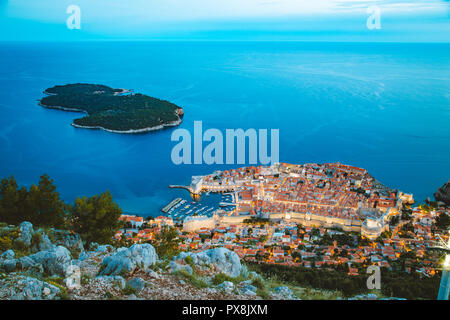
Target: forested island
x=113, y=110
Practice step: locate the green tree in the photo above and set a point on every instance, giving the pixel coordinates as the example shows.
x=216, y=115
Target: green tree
x=394, y=221
x=96, y=219
x=166, y=242
x=343, y=253
x=44, y=206
x=41, y=205
x=326, y=240
x=443, y=221
x=12, y=201
x=406, y=214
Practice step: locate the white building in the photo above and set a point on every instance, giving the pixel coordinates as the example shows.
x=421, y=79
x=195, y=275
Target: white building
x=196, y=184
x=192, y=224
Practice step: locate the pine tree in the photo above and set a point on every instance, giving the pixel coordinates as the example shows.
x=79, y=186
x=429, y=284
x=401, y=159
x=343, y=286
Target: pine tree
x=96, y=218
x=45, y=203
x=9, y=200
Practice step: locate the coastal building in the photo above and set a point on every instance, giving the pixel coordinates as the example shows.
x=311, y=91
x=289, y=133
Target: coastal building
x=372, y=228
x=196, y=184
x=406, y=198
x=135, y=221
x=163, y=221
x=192, y=224
x=330, y=195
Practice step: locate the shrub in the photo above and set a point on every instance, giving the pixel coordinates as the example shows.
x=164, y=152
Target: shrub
x=189, y=260
x=65, y=296
x=128, y=290
x=259, y=283
x=20, y=246
x=57, y=281
x=102, y=267
x=9, y=232
x=166, y=243
x=221, y=277
x=192, y=279
x=85, y=279
x=262, y=290
x=263, y=294
x=5, y=243
x=75, y=252
x=109, y=295
x=36, y=238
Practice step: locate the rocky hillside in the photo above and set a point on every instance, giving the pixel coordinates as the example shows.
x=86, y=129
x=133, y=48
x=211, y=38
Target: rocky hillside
x=443, y=194
x=40, y=264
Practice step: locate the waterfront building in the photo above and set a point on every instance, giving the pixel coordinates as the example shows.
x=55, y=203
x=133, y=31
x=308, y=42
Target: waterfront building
x=196, y=184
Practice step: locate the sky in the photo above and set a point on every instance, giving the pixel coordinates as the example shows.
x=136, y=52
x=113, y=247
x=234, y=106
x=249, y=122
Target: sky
x=308, y=20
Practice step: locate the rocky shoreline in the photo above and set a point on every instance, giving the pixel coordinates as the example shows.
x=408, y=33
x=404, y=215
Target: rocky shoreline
x=131, y=131
x=443, y=194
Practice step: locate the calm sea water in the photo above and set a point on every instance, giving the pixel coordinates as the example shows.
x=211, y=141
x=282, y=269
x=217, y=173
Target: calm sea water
x=384, y=107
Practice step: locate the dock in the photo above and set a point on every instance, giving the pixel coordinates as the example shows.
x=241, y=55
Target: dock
x=226, y=204
x=173, y=186
x=171, y=205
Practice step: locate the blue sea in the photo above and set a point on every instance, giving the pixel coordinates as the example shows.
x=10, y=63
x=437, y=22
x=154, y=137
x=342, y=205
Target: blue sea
x=382, y=106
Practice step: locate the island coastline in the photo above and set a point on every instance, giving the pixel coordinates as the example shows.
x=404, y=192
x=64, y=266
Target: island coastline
x=131, y=131
x=124, y=107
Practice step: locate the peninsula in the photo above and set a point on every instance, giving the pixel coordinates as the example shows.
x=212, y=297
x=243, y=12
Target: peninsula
x=113, y=110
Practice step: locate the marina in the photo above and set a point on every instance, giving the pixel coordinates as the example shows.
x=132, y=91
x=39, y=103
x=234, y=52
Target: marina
x=205, y=205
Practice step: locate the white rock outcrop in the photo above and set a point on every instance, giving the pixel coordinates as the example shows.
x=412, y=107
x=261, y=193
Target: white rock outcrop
x=127, y=260
x=54, y=261
x=222, y=259
x=27, y=288
x=226, y=286
x=26, y=233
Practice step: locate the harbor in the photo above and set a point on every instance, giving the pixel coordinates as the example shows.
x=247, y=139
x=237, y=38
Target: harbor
x=204, y=205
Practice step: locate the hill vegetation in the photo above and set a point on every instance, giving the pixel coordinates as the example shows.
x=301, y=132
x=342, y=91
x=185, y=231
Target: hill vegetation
x=394, y=283
x=111, y=109
x=94, y=218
